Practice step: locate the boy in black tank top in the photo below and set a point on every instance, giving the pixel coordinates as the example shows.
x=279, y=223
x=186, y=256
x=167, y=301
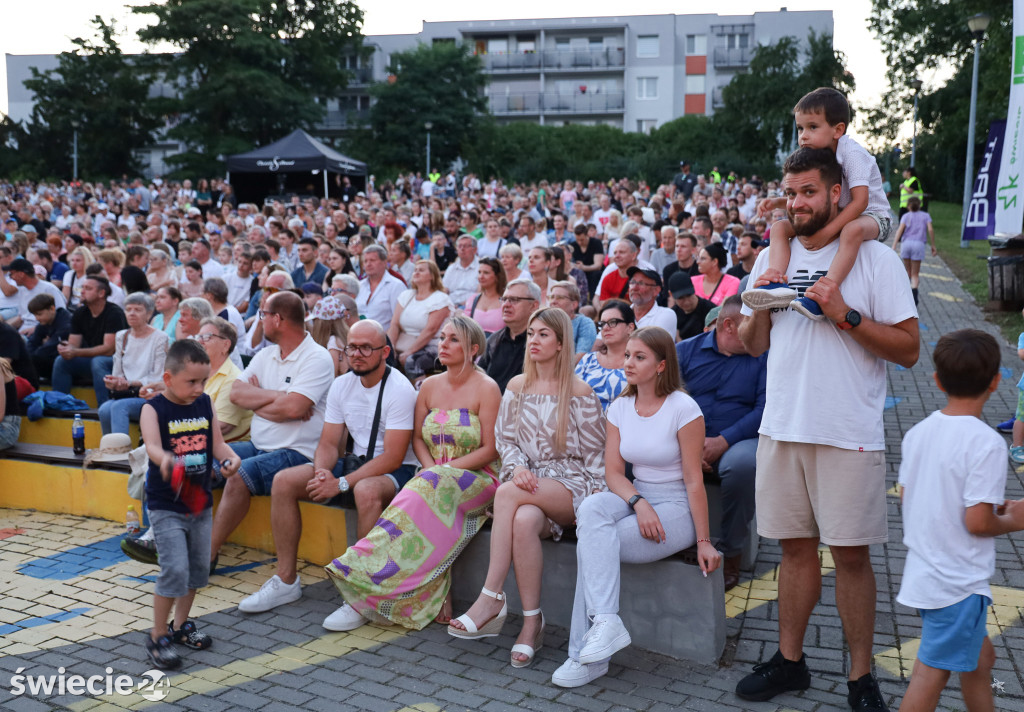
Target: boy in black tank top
x=182, y=437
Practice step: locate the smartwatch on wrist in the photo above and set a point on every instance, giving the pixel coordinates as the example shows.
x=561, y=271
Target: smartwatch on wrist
x=851, y=320
x=633, y=500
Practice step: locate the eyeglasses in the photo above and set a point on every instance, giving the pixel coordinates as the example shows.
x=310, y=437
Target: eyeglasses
x=610, y=323
x=362, y=350
x=265, y=314
x=271, y=290
x=635, y=283
x=515, y=300
x=203, y=338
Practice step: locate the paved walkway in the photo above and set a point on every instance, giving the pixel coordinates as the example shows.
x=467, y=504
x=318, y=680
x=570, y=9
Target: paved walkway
x=69, y=599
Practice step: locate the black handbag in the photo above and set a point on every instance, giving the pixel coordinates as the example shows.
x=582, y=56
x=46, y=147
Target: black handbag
x=353, y=462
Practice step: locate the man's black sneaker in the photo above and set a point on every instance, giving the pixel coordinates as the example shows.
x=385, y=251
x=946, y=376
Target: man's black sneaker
x=865, y=696
x=775, y=676
x=142, y=550
x=189, y=636
x=161, y=654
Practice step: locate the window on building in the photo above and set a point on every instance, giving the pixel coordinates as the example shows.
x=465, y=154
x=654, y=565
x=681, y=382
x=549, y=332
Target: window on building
x=737, y=41
x=645, y=126
x=497, y=45
x=526, y=43
x=696, y=44
x=596, y=43
x=444, y=40
x=647, y=88
x=562, y=44
x=696, y=83
x=647, y=45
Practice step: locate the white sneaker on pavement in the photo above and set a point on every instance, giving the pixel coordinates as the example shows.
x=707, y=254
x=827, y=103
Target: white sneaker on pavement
x=272, y=594
x=345, y=618
x=573, y=673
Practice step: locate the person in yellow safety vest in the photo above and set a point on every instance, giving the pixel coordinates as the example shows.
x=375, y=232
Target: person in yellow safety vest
x=910, y=188
x=434, y=176
x=715, y=176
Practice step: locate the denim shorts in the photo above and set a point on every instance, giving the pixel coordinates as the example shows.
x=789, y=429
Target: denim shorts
x=951, y=637
x=10, y=429
x=347, y=499
x=183, y=545
x=259, y=466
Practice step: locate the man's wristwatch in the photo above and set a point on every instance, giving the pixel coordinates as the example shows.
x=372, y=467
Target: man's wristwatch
x=343, y=484
x=633, y=500
x=852, y=319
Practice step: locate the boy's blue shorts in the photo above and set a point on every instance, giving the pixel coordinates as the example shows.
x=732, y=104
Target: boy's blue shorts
x=951, y=637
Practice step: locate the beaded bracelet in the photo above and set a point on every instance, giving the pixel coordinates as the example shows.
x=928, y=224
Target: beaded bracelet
x=706, y=541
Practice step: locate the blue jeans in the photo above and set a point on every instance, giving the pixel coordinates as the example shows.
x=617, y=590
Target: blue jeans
x=259, y=466
x=116, y=414
x=65, y=370
x=10, y=429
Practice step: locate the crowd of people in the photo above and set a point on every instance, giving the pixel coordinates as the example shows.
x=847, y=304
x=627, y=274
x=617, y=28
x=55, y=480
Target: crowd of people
x=549, y=355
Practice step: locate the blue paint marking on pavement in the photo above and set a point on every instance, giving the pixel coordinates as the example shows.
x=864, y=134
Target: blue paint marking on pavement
x=922, y=327
x=932, y=343
x=1005, y=372
x=77, y=561
x=900, y=368
x=42, y=620
x=891, y=401
x=221, y=570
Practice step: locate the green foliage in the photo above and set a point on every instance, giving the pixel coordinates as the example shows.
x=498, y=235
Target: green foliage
x=920, y=37
x=250, y=71
x=102, y=91
x=441, y=84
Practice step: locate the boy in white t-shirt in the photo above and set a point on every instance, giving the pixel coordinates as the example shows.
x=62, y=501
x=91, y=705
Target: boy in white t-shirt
x=953, y=476
x=821, y=120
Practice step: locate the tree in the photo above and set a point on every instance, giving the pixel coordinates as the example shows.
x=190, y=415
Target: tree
x=441, y=84
x=106, y=94
x=250, y=71
x=757, y=118
x=919, y=38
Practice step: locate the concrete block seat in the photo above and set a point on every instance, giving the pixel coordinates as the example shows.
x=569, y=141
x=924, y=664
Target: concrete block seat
x=668, y=606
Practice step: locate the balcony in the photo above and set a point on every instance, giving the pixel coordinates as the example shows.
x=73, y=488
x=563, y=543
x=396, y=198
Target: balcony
x=344, y=119
x=360, y=76
x=717, y=100
x=554, y=60
x=736, y=57
x=533, y=103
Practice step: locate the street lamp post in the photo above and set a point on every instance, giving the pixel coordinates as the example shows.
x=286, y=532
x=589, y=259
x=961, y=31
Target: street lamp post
x=916, y=86
x=977, y=24
x=428, y=125
x=74, y=151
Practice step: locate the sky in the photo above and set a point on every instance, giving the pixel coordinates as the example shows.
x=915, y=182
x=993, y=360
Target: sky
x=47, y=26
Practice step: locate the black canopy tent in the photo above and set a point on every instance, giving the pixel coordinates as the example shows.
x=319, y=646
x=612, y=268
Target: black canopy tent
x=295, y=163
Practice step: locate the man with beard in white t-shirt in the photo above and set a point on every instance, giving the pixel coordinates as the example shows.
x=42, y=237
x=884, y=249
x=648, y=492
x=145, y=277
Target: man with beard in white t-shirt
x=821, y=452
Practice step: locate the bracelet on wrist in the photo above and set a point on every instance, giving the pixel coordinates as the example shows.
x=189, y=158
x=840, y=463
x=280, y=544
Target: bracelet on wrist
x=706, y=541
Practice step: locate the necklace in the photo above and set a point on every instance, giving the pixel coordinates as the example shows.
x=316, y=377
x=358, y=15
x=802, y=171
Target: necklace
x=636, y=407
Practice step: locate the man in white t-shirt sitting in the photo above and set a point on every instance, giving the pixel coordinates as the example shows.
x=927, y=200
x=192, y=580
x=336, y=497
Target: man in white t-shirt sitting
x=821, y=453
x=285, y=386
x=23, y=274
x=351, y=405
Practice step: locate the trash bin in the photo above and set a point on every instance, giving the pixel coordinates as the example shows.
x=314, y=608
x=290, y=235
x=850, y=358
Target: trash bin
x=1006, y=281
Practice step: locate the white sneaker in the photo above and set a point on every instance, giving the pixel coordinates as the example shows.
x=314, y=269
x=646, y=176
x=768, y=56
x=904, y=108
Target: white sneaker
x=345, y=618
x=272, y=594
x=573, y=673
x=605, y=638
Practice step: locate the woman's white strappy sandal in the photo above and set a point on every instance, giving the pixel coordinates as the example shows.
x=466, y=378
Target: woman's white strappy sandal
x=529, y=651
x=489, y=629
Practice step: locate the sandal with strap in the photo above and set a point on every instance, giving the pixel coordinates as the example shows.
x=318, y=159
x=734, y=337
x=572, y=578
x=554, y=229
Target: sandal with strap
x=489, y=629
x=529, y=650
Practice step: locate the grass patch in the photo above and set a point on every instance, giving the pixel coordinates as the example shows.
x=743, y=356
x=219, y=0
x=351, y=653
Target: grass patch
x=969, y=265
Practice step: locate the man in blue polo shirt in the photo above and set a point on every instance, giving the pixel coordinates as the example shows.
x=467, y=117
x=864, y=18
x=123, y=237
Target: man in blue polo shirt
x=729, y=386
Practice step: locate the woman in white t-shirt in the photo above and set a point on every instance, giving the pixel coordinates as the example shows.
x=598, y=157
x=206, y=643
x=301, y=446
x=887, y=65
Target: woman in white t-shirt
x=657, y=427
x=417, y=320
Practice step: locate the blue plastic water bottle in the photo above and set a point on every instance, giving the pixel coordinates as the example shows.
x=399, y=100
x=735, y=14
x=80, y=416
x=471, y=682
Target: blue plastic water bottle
x=78, y=435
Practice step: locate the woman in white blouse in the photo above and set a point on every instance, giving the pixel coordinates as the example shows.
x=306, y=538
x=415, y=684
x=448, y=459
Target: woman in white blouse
x=139, y=353
x=658, y=428
x=417, y=320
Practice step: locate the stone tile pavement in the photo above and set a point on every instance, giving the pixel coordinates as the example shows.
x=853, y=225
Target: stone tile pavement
x=68, y=599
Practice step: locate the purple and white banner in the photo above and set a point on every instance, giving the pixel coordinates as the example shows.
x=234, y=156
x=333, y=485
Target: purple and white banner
x=981, y=213
x=1010, y=208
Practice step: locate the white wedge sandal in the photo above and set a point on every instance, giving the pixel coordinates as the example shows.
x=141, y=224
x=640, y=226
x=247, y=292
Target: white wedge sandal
x=529, y=650
x=489, y=629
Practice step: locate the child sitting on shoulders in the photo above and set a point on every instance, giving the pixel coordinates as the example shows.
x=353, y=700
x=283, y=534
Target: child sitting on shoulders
x=821, y=120
x=182, y=436
x=953, y=476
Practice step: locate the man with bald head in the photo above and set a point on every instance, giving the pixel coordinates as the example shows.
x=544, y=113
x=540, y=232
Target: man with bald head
x=285, y=386
x=369, y=482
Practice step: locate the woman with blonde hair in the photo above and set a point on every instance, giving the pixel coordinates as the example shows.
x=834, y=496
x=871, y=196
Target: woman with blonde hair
x=658, y=428
x=10, y=416
x=78, y=260
x=550, y=435
x=112, y=261
x=445, y=504
x=417, y=320
x=510, y=256
x=326, y=324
